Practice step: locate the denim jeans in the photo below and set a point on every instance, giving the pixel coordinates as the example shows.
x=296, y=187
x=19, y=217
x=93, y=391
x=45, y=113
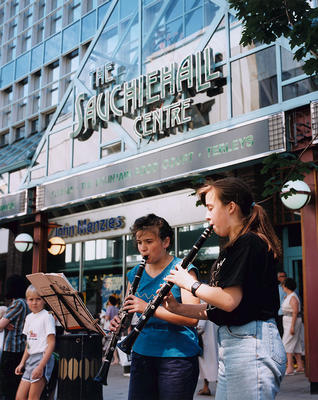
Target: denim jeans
x=252, y=361
x=163, y=378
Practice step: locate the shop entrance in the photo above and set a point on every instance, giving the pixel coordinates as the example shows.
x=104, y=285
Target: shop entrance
x=293, y=263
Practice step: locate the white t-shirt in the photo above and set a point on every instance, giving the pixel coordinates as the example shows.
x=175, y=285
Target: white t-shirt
x=36, y=328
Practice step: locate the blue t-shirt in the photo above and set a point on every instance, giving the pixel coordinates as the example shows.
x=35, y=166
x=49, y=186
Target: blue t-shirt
x=160, y=338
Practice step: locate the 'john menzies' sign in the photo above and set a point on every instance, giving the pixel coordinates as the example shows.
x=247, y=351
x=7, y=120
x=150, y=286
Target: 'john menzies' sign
x=116, y=100
x=86, y=227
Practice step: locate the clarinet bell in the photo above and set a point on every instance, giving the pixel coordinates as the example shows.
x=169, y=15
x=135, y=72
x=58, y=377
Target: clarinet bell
x=102, y=374
x=126, y=344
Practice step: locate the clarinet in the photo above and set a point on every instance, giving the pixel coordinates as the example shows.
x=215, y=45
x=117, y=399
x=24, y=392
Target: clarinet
x=126, y=344
x=125, y=321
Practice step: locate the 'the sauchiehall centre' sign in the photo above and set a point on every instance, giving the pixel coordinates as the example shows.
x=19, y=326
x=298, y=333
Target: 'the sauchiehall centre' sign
x=116, y=100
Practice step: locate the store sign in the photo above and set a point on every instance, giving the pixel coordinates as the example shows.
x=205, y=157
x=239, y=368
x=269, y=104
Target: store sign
x=86, y=227
x=116, y=100
x=12, y=205
x=204, y=153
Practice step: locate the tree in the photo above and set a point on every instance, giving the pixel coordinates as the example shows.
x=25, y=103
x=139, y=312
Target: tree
x=266, y=21
x=278, y=168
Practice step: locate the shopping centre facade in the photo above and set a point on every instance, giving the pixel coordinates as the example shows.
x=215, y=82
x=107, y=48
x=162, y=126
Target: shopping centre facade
x=162, y=95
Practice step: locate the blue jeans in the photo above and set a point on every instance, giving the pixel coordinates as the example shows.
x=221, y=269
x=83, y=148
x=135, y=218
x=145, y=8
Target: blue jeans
x=163, y=378
x=252, y=361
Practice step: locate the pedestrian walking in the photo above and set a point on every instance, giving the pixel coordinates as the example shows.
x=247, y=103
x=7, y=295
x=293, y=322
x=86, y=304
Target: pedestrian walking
x=208, y=361
x=292, y=322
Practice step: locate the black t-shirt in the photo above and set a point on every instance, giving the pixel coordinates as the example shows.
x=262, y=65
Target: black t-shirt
x=249, y=264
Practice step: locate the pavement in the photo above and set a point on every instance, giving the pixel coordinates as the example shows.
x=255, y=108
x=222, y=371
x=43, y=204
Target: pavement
x=293, y=387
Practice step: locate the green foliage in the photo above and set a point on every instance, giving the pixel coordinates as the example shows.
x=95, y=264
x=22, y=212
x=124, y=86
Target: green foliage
x=266, y=21
x=280, y=168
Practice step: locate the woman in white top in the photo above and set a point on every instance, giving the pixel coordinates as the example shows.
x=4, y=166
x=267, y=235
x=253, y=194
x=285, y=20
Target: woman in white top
x=208, y=361
x=292, y=324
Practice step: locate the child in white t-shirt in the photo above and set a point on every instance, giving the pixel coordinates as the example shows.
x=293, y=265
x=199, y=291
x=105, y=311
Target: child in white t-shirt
x=37, y=361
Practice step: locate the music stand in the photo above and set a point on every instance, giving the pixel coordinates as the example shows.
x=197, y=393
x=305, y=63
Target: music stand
x=65, y=302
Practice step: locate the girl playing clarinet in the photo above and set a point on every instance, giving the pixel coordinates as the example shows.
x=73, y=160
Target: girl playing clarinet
x=164, y=362
x=242, y=297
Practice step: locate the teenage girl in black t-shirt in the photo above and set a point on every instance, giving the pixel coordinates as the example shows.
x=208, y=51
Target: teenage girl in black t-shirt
x=242, y=297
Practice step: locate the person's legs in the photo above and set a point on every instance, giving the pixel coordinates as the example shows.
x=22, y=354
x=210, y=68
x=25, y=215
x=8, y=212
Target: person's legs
x=36, y=389
x=290, y=363
x=143, y=383
x=252, y=361
x=23, y=390
x=300, y=364
x=205, y=390
x=177, y=377
x=115, y=357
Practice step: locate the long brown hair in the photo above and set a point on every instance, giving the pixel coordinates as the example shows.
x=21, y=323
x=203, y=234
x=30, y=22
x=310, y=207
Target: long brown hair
x=255, y=218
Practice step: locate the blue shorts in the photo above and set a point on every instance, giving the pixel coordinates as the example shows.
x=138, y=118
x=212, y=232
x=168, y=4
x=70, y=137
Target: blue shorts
x=163, y=378
x=32, y=362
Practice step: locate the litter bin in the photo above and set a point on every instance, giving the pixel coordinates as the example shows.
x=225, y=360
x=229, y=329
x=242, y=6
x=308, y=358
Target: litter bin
x=80, y=359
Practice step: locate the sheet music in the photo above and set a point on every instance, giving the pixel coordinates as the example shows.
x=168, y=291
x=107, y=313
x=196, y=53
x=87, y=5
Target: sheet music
x=64, y=301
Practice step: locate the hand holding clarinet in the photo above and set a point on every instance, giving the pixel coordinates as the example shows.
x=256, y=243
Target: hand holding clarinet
x=126, y=344
x=121, y=322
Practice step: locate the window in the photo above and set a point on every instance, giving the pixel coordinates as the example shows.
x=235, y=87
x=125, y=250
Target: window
x=52, y=96
x=56, y=22
x=56, y=3
x=1, y=15
x=8, y=96
x=20, y=132
x=34, y=126
x=36, y=79
x=111, y=149
x=23, y=88
x=39, y=32
x=21, y=112
x=4, y=139
x=48, y=118
x=254, y=81
x=6, y=118
x=4, y=177
x=14, y=8
x=11, y=50
x=72, y=61
x=53, y=72
x=91, y=5
x=27, y=18
x=74, y=11
x=13, y=27
x=41, y=9
x=26, y=41
x=35, y=103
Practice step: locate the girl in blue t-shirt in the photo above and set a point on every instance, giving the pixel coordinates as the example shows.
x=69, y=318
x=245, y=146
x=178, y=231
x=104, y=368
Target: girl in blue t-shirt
x=164, y=362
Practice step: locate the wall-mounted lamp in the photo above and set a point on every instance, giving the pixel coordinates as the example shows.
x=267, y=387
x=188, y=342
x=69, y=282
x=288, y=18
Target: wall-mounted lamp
x=57, y=245
x=24, y=242
x=295, y=194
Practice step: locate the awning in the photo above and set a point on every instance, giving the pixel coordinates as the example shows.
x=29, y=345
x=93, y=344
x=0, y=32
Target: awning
x=19, y=154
